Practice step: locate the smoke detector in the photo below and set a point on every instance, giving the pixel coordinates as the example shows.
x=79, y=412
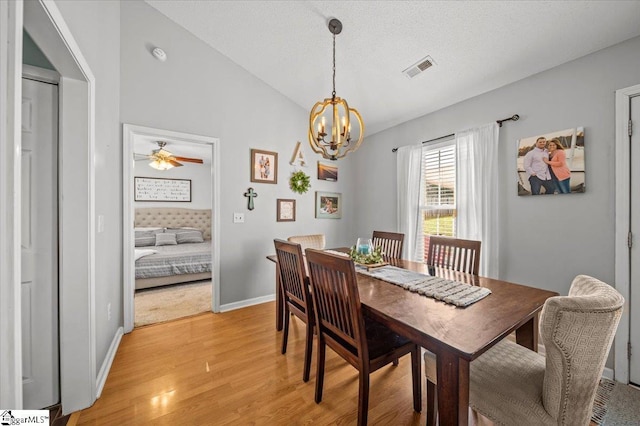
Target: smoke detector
x=420, y=66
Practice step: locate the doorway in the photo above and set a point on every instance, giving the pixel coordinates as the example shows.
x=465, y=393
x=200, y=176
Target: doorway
x=627, y=238
x=39, y=239
x=76, y=138
x=172, y=201
x=134, y=139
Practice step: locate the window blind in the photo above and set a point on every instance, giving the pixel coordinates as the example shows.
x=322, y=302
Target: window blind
x=438, y=200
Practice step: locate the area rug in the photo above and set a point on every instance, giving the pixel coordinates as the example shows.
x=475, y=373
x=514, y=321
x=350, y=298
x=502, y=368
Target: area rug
x=616, y=404
x=171, y=302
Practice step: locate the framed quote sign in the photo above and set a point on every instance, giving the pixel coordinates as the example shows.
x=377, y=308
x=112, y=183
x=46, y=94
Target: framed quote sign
x=286, y=211
x=161, y=189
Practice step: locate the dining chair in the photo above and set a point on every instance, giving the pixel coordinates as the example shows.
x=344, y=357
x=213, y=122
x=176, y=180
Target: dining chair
x=366, y=344
x=459, y=255
x=510, y=384
x=315, y=241
x=297, y=299
x=391, y=243
x=454, y=253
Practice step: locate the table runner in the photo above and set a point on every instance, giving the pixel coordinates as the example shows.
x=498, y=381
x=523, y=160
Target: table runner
x=449, y=291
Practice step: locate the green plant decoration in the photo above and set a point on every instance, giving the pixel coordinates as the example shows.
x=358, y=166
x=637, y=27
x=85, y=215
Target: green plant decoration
x=299, y=182
x=367, y=259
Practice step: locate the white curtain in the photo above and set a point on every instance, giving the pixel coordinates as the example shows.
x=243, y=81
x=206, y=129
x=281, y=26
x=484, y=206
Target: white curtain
x=409, y=188
x=477, y=190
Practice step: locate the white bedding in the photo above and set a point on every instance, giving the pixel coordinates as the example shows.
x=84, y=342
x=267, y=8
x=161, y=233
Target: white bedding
x=144, y=252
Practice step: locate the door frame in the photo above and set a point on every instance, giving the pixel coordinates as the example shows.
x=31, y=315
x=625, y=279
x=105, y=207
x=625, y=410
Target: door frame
x=622, y=228
x=131, y=132
x=11, y=18
x=76, y=127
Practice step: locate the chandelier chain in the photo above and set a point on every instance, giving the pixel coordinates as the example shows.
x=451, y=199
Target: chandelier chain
x=334, y=66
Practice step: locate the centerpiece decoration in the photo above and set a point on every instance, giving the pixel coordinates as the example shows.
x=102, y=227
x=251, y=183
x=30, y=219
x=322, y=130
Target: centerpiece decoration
x=364, y=253
x=299, y=182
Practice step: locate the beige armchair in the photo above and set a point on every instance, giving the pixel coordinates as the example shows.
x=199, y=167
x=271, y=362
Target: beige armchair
x=510, y=384
x=315, y=241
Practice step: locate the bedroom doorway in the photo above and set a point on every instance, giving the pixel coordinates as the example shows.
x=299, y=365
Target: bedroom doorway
x=171, y=225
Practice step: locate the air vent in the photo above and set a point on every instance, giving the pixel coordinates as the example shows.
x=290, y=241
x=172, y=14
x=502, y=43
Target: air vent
x=420, y=66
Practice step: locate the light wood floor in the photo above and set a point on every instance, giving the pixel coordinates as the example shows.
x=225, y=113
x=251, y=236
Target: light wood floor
x=227, y=369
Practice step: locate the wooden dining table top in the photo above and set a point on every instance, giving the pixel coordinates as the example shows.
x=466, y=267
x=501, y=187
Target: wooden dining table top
x=467, y=331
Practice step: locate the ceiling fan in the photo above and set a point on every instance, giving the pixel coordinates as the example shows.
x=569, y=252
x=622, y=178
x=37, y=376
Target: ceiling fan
x=161, y=159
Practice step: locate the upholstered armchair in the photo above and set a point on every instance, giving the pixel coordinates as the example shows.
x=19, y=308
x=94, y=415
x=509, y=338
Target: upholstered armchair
x=314, y=241
x=513, y=385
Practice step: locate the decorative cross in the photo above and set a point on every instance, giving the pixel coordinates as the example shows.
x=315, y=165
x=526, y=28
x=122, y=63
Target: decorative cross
x=250, y=194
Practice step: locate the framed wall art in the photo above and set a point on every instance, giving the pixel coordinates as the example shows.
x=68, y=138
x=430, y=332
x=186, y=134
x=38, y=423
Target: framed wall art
x=264, y=166
x=328, y=171
x=161, y=189
x=286, y=210
x=551, y=163
x=328, y=205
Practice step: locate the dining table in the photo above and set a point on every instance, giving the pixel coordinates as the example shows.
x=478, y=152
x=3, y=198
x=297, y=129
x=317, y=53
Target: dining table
x=456, y=335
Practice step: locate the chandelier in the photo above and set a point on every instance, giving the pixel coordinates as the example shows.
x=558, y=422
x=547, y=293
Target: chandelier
x=335, y=112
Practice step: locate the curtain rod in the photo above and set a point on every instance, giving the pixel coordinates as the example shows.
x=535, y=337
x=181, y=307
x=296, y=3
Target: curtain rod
x=514, y=117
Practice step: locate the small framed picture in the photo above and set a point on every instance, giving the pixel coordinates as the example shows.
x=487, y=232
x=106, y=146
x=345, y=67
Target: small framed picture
x=328, y=205
x=286, y=210
x=264, y=166
x=328, y=171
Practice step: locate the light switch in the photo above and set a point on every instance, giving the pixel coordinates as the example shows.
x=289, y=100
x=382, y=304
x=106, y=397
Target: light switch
x=100, y=223
x=238, y=218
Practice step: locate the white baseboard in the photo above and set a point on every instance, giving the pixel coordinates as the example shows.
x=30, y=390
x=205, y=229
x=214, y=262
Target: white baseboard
x=248, y=302
x=108, y=360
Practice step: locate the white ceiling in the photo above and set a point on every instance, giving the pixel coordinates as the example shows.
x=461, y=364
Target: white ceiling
x=477, y=45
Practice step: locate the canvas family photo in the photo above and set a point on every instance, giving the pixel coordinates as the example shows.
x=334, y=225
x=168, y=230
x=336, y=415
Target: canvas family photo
x=551, y=163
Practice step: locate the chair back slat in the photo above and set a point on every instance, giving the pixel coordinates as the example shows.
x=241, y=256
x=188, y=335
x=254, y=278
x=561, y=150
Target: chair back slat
x=454, y=253
x=390, y=242
x=336, y=298
x=292, y=275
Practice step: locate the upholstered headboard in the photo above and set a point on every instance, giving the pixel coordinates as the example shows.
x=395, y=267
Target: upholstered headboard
x=174, y=217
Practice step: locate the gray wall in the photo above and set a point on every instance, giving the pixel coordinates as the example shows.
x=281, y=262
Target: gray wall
x=198, y=90
x=96, y=28
x=32, y=55
x=544, y=241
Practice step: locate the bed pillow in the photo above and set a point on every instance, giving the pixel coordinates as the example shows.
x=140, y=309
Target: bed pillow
x=145, y=238
x=166, y=239
x=147, y=229
x=187, y=235
x=194, y=236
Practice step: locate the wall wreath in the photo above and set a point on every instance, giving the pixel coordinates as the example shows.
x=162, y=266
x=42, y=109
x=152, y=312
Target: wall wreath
x=299, y=182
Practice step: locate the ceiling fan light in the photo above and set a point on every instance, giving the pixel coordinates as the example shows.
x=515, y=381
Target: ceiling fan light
x=160, y=165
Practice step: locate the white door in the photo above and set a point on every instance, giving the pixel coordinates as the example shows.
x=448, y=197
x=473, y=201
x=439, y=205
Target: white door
x=634, y=290
x=40, y=371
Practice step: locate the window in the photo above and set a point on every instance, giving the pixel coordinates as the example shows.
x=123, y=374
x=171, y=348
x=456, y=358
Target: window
x=438, y=198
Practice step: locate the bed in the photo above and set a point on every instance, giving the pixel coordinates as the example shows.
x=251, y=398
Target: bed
x=173, y=245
